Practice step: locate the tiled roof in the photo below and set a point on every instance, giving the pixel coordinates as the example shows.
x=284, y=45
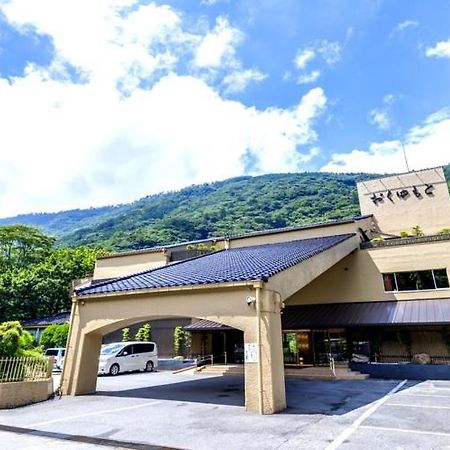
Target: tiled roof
x=206, y=325
x=258, y=262
x=58, y=318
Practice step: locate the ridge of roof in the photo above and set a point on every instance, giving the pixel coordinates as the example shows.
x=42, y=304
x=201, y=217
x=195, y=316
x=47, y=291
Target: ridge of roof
x=225, y=237
x=298, y=227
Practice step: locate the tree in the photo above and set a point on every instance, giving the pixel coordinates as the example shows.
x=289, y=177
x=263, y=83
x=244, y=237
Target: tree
x=179, y=337
x=125, y=334
x=22, y=245
x=35, y=278
x=55, y=335
x=144, y=333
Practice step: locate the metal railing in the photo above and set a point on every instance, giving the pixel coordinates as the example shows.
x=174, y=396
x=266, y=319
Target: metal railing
x=332, y=364
x=24, y=368
x=207, y=359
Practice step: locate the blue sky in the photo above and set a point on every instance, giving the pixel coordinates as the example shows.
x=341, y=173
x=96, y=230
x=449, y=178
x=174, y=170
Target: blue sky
x=105, y=102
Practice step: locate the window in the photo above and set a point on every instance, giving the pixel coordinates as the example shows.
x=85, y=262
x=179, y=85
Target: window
x=441, y=278
x=419, y=280
x=144, y=348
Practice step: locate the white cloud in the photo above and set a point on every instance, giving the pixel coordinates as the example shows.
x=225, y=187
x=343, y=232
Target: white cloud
x=124, y=133
x=402, y=26
x=321, y=51
x=313, y=152
x=440, y=50
x=218, y=46
x=389, y=99
x=113, y=46
x=238, y=81
x=213, y=2
x=426, y=145
x=331, y=52
x=303, y=57
x=381, y=117
x=309, y=77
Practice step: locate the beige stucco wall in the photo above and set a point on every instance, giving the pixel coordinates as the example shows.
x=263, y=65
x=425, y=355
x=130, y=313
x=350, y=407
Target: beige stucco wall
x=126, y=264
x=358, y=276
x=431, y=213
x=329, y=230
x=24, y=392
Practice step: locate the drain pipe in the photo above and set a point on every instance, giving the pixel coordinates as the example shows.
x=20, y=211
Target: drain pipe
x=259, y=345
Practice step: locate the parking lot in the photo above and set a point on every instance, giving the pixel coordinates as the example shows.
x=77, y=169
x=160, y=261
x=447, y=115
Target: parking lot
x=157, y=410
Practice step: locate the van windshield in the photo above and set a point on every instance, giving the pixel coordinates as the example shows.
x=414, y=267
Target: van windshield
x=110, y=349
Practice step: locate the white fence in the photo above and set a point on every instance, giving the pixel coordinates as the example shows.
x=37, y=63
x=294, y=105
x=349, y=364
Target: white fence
x=23, y=368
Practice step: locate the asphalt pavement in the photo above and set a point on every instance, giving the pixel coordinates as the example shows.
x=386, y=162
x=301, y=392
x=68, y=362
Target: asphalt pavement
x=163, y=410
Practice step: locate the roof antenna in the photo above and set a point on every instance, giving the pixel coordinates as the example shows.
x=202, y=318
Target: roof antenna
x=406, y=159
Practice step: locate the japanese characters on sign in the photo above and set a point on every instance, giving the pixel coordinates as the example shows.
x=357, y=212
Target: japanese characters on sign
x=251, y=352
x=402, y=193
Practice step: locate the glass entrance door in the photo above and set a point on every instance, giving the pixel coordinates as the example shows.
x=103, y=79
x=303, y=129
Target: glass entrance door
x=328, y=343
x=314, y=347
x=297, y=348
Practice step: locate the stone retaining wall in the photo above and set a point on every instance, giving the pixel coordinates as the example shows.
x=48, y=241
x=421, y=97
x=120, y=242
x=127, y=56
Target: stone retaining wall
x=24, y=392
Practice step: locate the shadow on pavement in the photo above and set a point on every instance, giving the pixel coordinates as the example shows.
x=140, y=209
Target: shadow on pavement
x=335, y=397
x=303, y=396
x=227, y=390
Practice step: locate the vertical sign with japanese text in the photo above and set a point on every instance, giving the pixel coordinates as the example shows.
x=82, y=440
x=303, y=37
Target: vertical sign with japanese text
x=251, y=352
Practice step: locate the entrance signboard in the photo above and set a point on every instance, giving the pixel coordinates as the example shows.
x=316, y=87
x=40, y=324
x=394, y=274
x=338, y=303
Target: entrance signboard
x=251, y=352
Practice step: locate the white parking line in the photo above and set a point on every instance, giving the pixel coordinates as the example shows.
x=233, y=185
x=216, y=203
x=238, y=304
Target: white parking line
x=402, y=394
x=404, y=430
x=354, y=426
x=96, y=413
x=406, y=405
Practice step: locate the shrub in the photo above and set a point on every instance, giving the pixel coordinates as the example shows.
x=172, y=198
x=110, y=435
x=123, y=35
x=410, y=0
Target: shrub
x=417, y=231
x=15, y=341
x=144, y=333
x=10, y=333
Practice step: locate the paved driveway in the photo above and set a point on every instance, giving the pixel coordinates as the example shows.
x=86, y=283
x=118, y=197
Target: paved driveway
x=155, y=410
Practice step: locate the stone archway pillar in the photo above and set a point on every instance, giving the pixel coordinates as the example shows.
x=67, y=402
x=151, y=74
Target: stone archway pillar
x=264, y=370
x=80, y=369
x=86, y=379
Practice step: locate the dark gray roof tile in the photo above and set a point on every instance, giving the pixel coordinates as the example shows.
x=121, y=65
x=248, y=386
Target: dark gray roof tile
x=259, y=262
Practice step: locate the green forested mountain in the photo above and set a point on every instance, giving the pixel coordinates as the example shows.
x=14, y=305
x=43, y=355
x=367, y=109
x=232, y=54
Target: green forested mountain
x=63, y=222
x=232, y=206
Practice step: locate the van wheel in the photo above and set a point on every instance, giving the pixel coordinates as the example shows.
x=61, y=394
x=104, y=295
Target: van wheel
x=114, y=369
x=149, y=366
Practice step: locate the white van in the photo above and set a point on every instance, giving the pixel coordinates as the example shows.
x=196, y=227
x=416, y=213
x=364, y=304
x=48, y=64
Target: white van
x=57, y=354
x=127, y=356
